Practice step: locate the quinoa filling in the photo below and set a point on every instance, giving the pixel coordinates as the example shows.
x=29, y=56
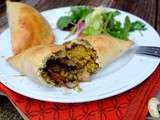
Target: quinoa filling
x=70, y=66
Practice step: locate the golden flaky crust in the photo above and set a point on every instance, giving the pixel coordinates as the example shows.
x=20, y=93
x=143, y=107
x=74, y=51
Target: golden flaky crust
x=31, y=60
x=28, y=27
x=108, y=48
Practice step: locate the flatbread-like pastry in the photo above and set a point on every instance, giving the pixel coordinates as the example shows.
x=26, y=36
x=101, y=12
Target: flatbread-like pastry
x=30, y=61
x=108, y=48
x=70, y=63
x=28, y=27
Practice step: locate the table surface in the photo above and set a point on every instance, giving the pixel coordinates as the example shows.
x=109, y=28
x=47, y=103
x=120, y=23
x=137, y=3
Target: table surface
x=146, y=9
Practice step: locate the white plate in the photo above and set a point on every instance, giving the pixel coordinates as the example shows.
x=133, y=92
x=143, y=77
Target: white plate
x=122, y=75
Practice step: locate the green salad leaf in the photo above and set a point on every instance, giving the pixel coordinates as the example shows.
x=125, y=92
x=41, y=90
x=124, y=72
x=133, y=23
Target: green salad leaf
x=93, y=23
x=80, y=12
x=99, y=21
x=137, y=25
x=63, y=22
x=127, y=24
x=76, y=13
x=121, y=32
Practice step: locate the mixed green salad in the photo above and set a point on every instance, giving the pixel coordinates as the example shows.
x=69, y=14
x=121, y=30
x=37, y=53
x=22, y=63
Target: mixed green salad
x=84, y=20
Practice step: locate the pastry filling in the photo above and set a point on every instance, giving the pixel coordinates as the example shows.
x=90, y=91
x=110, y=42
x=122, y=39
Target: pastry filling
x=70, y=66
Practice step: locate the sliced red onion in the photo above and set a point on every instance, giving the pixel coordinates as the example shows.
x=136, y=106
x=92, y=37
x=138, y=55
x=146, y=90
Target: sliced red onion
x=80, y=27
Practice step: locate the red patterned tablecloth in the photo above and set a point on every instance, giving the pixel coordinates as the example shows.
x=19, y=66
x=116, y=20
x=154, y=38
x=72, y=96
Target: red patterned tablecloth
x=131, y=105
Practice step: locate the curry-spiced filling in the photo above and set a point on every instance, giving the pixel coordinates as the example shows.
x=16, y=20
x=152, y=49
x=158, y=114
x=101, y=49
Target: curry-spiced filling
x=70, y=66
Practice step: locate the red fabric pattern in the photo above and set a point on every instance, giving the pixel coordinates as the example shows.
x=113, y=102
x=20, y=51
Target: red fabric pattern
x=131, y=105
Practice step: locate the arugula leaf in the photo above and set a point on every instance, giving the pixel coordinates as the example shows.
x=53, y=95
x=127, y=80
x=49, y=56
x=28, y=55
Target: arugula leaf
x=113, y=27
x=63, y=22
x=127, y=24
x=80, y=13
x=137, y=25
x=117, y=26
x=121, y=34
x=107, y=18
x=124, y=32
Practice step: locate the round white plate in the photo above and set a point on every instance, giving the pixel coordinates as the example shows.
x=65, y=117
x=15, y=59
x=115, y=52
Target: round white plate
x=120, y=76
